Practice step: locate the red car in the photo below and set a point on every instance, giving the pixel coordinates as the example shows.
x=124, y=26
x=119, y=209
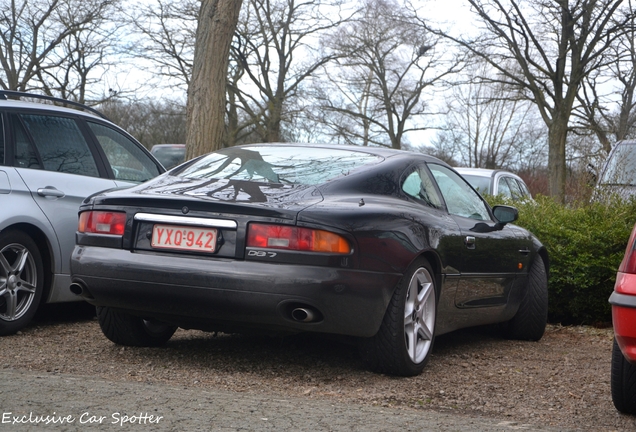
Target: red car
x=623, y=301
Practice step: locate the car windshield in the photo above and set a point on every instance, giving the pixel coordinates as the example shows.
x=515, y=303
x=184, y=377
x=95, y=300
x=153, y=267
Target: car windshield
x=278, y=164
x=480, y=183
x=621, y=168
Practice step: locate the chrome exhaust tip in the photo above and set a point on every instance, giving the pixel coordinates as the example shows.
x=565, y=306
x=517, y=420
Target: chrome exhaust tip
x=77, y=288
x=302, y=314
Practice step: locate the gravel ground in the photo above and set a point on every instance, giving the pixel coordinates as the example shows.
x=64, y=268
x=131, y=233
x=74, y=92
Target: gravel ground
x=561, y=382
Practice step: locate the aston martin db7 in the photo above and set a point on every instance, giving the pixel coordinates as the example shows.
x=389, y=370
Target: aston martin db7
x=389, y=247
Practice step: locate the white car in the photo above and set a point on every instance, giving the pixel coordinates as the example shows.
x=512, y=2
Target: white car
x=618, y=176
x=496, y=182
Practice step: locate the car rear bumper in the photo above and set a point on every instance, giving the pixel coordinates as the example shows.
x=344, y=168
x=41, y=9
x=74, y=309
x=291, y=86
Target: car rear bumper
x=624, y=316
x=217, y=294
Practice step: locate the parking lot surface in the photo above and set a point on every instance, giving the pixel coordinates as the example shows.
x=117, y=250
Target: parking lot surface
x=39, y=401
x=476, y=380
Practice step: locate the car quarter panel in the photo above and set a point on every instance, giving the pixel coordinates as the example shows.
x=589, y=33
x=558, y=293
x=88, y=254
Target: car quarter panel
x=24, y=211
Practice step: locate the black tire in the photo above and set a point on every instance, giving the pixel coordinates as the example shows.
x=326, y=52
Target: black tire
x=530, y=320
x=130, y=330
x=405, y=339
x=623, y=382
x=21, y=281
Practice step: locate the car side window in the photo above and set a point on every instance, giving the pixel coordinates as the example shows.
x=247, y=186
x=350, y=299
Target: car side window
x=2, y=156
x=461, y=199
x=59, y=144
x=524, y=189
x=516, y=191
x=25, y=154
x=503, y=188
x=419, y=185
x=127, y=160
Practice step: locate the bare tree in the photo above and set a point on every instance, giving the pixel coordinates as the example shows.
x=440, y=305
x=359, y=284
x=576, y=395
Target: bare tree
x=87, y=56
x=274, y=47
x=37, y=36
x=486, y=126
x=206, y=92
x=611, y=115
x=386, y=59
x=166, y=32
x=545, y=49
x=151, y=122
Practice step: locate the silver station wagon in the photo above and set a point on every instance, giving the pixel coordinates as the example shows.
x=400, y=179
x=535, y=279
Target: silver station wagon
x=51, y=158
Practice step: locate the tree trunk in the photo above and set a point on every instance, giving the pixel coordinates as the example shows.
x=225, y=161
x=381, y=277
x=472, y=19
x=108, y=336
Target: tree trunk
x=206, y=92
x=274, y=121
x=557, y=134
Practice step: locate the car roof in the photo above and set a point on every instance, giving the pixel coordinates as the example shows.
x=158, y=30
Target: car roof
x=42, y=102
x=625, y=142
x=167, y=145
x=483, y=172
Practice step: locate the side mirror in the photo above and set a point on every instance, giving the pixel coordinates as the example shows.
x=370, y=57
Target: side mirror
x=505, y=214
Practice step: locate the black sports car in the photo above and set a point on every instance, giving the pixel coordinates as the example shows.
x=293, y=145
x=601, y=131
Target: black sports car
x=389, y=246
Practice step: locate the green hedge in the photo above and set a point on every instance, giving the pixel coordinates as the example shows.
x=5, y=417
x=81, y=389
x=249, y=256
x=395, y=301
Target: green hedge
x=586, y=243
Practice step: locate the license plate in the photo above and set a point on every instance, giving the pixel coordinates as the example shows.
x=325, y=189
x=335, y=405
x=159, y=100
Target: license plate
x=184, y=238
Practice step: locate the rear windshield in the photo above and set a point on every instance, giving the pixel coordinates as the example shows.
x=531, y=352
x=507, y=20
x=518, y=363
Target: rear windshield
x=621, y=167
x=278, y=164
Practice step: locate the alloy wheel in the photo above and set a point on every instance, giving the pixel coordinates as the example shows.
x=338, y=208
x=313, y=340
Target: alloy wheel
x=419, y=315
x=18, y=281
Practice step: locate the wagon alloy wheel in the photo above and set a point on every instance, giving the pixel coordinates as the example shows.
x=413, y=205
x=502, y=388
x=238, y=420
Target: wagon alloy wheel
x=20, y=281
x=405, y=339
x=419, y=315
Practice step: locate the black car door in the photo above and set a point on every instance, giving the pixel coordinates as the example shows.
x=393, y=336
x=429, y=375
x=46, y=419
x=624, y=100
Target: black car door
x=492, y=260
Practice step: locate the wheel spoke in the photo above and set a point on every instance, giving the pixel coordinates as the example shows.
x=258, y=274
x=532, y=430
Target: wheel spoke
x=425, y=294
x=20, y=262
x=411, y=340
x=11, y=304
x=5, y=265
x=411, y=297
x=425, y=332
x=27, y=287
x=408, y=319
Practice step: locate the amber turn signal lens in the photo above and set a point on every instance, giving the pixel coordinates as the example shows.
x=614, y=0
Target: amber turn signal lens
x=296, y=238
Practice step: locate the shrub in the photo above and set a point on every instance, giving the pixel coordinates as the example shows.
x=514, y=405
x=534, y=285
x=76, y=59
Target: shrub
x=585, y=243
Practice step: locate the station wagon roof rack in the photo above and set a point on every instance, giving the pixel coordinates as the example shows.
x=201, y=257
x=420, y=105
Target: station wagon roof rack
x=19, y=94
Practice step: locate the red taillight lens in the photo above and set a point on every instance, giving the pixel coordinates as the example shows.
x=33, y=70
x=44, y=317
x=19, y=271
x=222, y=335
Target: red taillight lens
x=628, y=265
x=102, y=222
x=296, y=238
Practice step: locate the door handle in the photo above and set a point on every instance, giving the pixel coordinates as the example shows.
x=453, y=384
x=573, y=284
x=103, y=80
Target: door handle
x=469, y=241
x=50, y=192
x=525, y=251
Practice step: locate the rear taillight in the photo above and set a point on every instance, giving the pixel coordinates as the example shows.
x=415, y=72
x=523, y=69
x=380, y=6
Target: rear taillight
x=296, y=238
x=102, y=222
x=628, y=265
